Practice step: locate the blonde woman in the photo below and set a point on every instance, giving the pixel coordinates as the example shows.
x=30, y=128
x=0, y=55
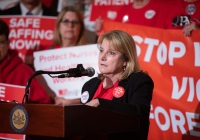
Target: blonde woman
x=121, y=85
x=69, y=30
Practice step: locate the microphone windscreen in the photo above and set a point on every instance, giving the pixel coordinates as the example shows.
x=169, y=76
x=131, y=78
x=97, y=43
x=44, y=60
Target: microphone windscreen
x=91, y=71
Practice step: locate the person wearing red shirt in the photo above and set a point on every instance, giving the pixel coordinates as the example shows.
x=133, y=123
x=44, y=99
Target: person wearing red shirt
x=14, y=71
x=151, y=13
x=188, y=18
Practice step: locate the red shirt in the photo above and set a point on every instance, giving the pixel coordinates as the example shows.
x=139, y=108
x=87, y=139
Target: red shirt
x=155, y=14
x=192, y=9
x=105, y=93
x=186, y=12
x=14, y=71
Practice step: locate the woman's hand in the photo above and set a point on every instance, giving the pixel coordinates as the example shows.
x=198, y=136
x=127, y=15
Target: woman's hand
x=93, y=103
x=63, y=101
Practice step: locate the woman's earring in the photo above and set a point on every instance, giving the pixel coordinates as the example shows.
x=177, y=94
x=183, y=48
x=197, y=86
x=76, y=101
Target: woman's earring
x=124, y=67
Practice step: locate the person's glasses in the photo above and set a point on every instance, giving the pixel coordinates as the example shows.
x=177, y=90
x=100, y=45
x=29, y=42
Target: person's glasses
x=67, y=22
x=3, y=43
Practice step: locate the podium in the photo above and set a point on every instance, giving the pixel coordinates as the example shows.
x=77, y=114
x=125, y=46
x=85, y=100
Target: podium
x=48, y=120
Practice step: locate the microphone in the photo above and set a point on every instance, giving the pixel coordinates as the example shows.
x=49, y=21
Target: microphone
x=84, y=72
x=88, y=72
x=73, y=72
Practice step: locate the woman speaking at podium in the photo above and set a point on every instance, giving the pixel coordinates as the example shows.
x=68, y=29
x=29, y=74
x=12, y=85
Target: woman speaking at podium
x=121, y=85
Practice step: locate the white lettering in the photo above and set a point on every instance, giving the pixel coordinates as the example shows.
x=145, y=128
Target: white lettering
x=2, y=91
x=25, y=23
x=177, y=92
x=191, y=90
x=162, y=53
x=198, y=89
x=31, y=33
x=178, y=120
x=151, y=44
x=25, y=44
x=176, y=50
x=110, y=2
x=192, y=124
x=166, y=125
x=196, y=54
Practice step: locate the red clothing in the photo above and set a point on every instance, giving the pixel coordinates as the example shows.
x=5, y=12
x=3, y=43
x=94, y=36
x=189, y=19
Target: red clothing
x=187, y=12
x=14, y=71
x=155, y=14
x=105, y=93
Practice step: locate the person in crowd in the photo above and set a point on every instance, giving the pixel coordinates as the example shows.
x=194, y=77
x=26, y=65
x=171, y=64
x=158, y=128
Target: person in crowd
x=30, y=7
x=14, y=71
x=151, y=13
x=69, y=32
x=189, y=17
x=69, y=29
x=82, y=6
x=121, y=85
x=35, y=8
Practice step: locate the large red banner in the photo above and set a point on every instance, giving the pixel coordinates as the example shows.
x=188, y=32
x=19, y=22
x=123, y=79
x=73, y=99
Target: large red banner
x=173, y=61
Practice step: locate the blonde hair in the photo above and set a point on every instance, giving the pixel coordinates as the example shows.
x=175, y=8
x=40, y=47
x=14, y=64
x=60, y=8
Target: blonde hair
x=125, y=44
x=57, y=37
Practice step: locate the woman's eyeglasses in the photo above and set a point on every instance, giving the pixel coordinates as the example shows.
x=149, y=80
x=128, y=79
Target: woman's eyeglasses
x=67, y=22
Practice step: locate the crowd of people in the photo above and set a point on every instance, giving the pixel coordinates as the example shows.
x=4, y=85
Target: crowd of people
x=117, y=60
x=179, y=14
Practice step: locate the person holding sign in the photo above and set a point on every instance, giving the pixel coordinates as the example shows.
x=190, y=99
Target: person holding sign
x=14, y=71
x=70, y=29
x=188, y=19
x=151, y=13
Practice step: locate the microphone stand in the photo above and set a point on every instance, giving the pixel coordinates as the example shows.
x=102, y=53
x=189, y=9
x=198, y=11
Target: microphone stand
x=70, y=73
